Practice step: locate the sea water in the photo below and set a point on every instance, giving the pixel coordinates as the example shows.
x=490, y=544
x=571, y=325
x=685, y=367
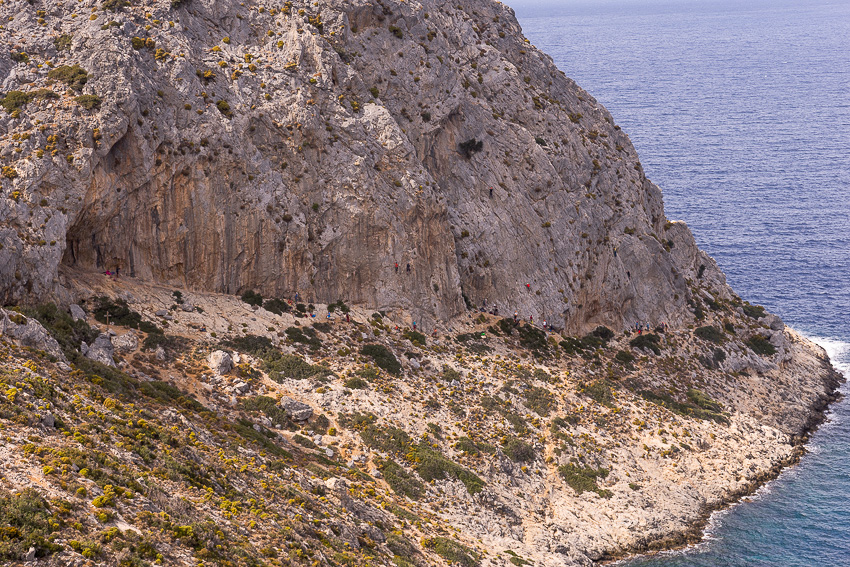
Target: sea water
x=740, y=112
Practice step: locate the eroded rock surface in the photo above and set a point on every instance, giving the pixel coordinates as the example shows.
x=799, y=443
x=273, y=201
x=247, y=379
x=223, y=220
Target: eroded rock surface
x=311, y=148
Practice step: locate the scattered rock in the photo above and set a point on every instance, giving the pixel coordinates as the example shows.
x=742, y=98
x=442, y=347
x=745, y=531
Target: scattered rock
x=159, y=353
x=188, y=308
x=241, y=387
x=30, y=556
x=296, y=410
x=161, y=313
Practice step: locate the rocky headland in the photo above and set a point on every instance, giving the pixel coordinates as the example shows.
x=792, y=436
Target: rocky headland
x=314, y=209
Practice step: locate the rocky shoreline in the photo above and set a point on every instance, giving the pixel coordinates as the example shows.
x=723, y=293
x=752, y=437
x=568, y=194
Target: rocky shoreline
x=695, y=534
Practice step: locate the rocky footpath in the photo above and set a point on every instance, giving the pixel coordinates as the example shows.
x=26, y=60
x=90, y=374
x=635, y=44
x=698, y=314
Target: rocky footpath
x=312, y=147
x=244, y=430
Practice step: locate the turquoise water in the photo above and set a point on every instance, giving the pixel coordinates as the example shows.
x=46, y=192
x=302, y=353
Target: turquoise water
x=740, y=112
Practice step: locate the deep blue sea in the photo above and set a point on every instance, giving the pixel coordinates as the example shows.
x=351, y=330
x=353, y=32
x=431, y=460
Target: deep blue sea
x=740, y=112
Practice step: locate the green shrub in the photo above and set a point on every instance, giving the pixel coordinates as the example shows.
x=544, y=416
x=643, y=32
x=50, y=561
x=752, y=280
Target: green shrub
x=540, y=400
x=62, y=42
x=14, y=100
x=687, y=409
x=754, y=311
x=251, y=297
x=599, y=391
x=356, y=383
x=396, y=31
x=25, y=521
x=583, y=479
x=649, y=341
x=67, y=332
x=280, y=366
x=270, y=408
x=224, y=108
x=518, y=450
x=704, y=400
x=387, y=439
x=533, y=339
x=252, y=344
x=415, y=337
x=340, y=304
x=401, y=481
x=466, y=445
x=72, y=75
x=625, y=357
x=432, y=465
x=383, y=357
x=452, y=551
x=304, y=335
x=709, y=333
x=760, y=345
x=276, y=306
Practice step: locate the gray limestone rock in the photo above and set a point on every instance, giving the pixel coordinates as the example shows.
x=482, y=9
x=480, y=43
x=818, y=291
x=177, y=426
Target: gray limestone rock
x=77, y=312
x=28, y=332
x=101, y=350
x=220, y=362
x=296, y=410
x=126, y=343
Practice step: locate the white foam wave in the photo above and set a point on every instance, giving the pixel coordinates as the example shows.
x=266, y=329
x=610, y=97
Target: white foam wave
x=837, y=350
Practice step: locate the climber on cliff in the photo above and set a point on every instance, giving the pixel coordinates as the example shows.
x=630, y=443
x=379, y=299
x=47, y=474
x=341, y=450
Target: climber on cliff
x=516, y=317
x=491, y=192
x=396, y=267
x=347, y=318
x=528, y=286
x=408, y=267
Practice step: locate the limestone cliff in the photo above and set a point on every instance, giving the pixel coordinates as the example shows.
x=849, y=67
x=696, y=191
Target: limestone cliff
x=310, y=146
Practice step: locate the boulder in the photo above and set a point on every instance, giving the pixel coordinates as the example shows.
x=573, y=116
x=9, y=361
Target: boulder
x=48, y=421
x=101, y=350
x=220, y=362
x=126, y=343
x=28, y=332
x=296, y=410
x=77, y=312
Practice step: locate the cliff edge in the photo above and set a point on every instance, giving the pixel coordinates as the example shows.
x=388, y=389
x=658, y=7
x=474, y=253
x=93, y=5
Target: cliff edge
x=310, y=147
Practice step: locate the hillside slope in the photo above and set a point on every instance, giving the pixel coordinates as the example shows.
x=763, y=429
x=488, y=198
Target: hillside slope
x=197, y=428
x=309, y=147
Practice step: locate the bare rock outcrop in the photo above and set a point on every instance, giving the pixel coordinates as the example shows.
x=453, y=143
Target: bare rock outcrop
x=311, y=148
x=28, y=332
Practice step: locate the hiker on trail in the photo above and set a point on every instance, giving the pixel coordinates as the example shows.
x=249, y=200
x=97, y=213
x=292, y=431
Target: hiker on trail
x=118, y=271
x=485, y=302
x=531, y=319
x=347, y=318
x=544, y=324
x=408, y=267
x=396, y=267
x=414, y=325
x=434, y=334
x=516, y=317
x=329, y=316
x=297, y=297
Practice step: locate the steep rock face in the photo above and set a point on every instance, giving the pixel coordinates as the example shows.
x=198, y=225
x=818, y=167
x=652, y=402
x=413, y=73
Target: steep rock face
x=309, y=148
